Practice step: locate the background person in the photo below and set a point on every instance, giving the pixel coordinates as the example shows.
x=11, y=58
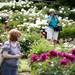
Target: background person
x=53, y=22
x=43, y=33
x=5, y=22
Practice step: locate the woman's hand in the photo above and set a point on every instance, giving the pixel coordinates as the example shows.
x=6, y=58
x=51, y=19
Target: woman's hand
x=58, y=24
x=19, y=55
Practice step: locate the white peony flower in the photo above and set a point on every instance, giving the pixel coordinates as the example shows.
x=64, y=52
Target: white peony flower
x=62, y=8
x=61, y=11
x=69, y=24
x=73, y=10
x=59, y=18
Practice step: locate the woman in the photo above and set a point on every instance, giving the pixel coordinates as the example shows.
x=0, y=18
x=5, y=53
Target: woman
x=11, y=53
x=53, y=22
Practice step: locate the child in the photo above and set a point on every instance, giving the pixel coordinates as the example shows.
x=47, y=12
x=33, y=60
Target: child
x=11, y=53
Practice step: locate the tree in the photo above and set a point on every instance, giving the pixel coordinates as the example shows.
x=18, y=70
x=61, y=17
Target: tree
x=70, y=3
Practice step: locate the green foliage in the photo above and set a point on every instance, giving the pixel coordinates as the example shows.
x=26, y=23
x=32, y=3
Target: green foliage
x=27, y=40
x=35, y=29
x=13, y=24
x=23, y=66
x=3, y=37
x=65, y=12
x=1, y=30
x=71, y=15
x=7, y=7
x=67, y=32
x=45, y=68
x=16, y=19
x=66, y=2
x=40, y=5
x=40, y=46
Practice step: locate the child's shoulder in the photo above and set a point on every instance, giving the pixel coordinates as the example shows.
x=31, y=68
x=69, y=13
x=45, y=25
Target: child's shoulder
x=6, y=43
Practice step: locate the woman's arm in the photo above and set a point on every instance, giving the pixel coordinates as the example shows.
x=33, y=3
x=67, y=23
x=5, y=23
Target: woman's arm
x=9, y=56
x=48, y=21
x=58, y=24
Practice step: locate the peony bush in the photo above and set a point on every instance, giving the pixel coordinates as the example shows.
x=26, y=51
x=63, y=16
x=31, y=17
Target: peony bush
x=52, y=54
x=53, y=63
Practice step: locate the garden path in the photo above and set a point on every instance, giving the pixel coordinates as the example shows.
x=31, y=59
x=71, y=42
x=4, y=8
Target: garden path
x=73, y=42
x=26, y=73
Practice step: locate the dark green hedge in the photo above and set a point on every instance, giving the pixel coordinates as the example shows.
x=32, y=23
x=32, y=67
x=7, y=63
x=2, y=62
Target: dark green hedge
x=67, y=32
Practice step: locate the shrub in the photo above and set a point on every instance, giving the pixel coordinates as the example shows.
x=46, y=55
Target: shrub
x=40, y=5
x=71, y=15
x=3, y=37
x=55, y=65
x=27, y=40
x=67, y=32
x=40, y=46
x=23, y=66
x=46, y=68
x=13, y=24
x=6, y=7
x=1, y=30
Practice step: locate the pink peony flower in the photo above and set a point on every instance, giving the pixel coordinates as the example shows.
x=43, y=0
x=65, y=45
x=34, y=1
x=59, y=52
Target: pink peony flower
x=53, y=53
x=70, y=57
x=61, y=54
x=43, y=56
x=34, y=57
x=64, y=61
x=73, y=51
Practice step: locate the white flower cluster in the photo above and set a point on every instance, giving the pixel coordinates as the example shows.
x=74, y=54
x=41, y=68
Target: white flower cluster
x=31, y=13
